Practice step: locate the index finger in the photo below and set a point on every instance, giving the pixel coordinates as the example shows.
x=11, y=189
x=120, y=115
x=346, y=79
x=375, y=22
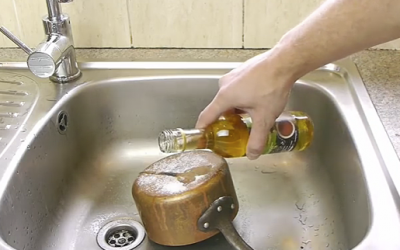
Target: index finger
x=212, y=112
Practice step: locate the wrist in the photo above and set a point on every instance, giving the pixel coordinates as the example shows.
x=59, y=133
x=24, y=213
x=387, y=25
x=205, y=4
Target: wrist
x=278, y=65
x=290, y=58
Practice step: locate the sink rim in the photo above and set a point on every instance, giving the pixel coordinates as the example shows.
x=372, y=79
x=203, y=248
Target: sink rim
x=378, y=136
x=344, y=68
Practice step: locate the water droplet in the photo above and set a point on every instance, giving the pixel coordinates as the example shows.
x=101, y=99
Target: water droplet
x=300, y=205
x=267, y=172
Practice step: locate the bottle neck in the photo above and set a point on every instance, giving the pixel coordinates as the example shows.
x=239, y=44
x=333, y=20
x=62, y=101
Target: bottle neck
x=179, y=140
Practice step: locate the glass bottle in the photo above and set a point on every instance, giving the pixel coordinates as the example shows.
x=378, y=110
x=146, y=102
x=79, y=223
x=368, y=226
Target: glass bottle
x=228, y=136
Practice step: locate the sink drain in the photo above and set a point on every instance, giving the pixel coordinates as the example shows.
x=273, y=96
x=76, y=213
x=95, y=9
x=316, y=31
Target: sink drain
x=121, y=237
x=122, y=234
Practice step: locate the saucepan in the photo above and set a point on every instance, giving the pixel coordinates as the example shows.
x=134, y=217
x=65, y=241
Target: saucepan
x=186, y=198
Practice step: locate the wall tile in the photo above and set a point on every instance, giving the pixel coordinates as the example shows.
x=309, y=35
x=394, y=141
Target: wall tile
x=266, y=21
x=99, y=23
x=7, y=19
x=164, y=23
x=23, y=19
x=187, y=23
x=95, y=23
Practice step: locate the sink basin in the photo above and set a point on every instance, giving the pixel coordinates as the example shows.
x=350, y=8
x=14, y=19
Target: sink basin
x=71, y=172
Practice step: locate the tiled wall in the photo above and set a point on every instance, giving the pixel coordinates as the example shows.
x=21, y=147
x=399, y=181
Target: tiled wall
x=164, y=23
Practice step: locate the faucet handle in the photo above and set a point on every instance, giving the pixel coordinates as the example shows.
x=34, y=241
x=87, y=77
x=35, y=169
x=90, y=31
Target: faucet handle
x=40, y=62
x=15, y=40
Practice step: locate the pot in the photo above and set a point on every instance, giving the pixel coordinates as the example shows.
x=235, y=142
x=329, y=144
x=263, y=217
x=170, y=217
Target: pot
x=186, y=198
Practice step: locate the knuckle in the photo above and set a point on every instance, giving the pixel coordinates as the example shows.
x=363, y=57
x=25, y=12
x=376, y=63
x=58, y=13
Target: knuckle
x=201, y=115
x=221, y=81
x=223, y=93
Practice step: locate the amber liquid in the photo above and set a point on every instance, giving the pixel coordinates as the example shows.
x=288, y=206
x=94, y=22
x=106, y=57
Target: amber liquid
x=229, y=135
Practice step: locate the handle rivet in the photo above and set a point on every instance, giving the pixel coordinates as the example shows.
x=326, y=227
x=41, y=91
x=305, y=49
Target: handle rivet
x=206, y=225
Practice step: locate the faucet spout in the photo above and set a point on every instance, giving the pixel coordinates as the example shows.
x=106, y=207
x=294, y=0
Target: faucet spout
x=54, y=9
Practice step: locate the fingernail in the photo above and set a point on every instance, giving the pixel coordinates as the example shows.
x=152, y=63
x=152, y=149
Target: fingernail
x=251, y=156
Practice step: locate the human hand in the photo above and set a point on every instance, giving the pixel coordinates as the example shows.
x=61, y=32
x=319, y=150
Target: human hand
x=259, y=87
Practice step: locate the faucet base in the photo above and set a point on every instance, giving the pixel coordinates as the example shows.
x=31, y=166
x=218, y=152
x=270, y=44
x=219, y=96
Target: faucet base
x=65, y=79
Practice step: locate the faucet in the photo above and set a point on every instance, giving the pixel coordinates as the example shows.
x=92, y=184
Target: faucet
x=55, y=56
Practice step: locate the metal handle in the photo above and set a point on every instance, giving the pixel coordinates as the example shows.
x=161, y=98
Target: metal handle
x=15, y=40
x=232, y=236
x=218, y=216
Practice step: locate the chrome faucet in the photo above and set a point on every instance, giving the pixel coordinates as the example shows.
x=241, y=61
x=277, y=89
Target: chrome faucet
x=55, y=56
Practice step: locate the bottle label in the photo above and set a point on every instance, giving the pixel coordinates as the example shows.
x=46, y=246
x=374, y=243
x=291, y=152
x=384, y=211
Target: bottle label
x=287, y=134
x=285, y=131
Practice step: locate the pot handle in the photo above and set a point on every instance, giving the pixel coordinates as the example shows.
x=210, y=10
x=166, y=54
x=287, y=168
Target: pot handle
x=218, y=216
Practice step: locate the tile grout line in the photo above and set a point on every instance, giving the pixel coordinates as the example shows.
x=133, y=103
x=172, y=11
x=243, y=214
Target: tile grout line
x=243, y=13
x=20, y=33
x=129, y=24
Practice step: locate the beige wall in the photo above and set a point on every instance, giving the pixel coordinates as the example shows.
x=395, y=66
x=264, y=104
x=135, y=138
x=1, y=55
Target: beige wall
x=164, y=23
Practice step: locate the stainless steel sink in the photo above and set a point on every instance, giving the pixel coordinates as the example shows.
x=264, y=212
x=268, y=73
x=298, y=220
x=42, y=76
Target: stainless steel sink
x=68, y=170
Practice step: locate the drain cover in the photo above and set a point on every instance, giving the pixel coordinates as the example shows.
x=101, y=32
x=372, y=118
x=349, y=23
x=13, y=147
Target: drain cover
x=121, y=238
x=122, y=234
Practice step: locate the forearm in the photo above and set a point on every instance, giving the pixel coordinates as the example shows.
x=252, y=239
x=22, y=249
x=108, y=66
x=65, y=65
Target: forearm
x=335, y=30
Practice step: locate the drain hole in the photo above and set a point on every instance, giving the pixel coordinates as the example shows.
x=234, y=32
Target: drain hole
x=121, y=236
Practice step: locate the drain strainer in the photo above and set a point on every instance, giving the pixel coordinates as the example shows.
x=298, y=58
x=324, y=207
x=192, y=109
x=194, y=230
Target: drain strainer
x=122, y=234
x=122, y=237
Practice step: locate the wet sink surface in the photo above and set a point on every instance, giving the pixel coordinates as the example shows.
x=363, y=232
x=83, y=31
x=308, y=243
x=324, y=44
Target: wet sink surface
x=74, y=172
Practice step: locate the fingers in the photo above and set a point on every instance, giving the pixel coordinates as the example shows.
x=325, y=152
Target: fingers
x=229, y=112
x=258, y=136
x=212, y=112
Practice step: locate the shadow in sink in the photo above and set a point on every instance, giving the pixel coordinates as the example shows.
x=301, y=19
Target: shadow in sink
x=77, y=173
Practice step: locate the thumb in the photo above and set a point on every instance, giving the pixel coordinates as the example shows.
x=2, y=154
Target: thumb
x=212, y=112
x=258, y=136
